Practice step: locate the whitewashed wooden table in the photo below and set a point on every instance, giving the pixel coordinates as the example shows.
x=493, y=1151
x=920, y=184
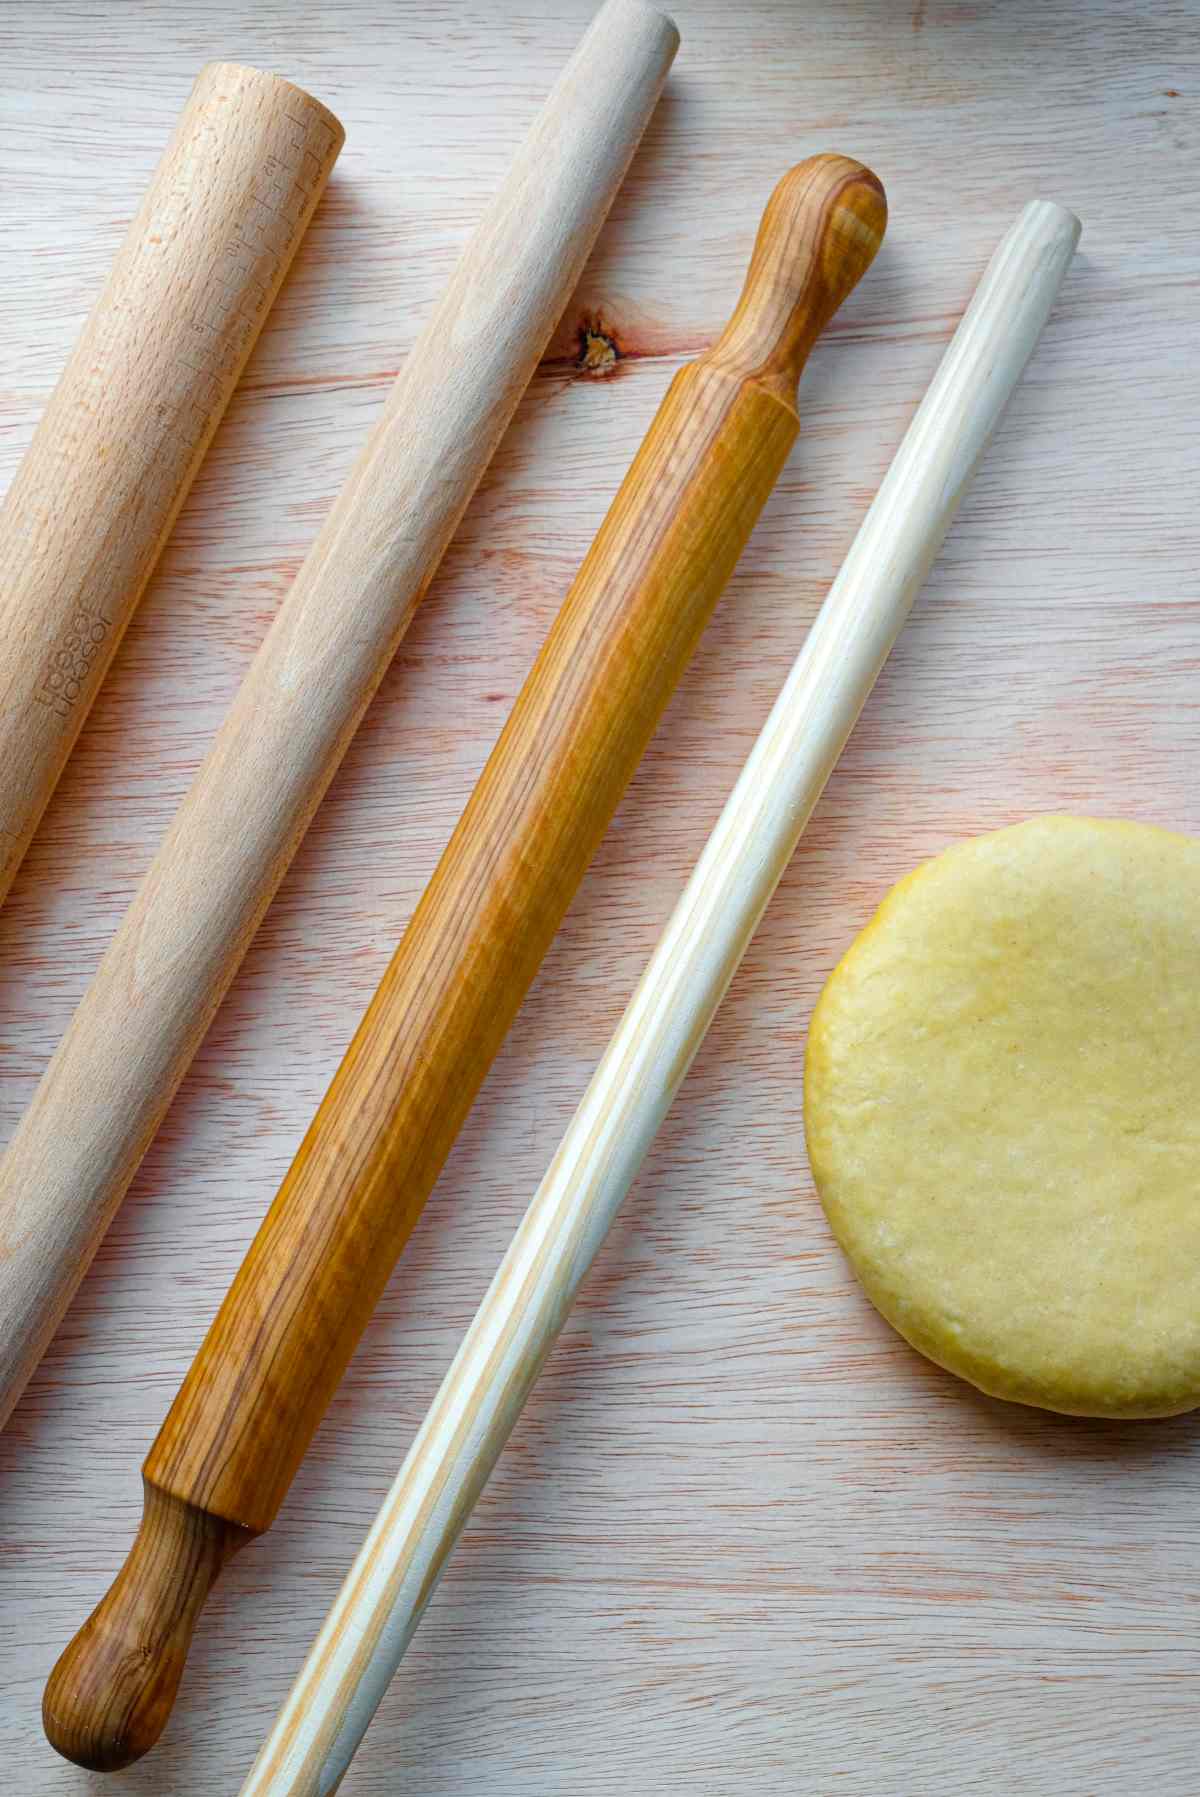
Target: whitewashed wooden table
x=743, y=1538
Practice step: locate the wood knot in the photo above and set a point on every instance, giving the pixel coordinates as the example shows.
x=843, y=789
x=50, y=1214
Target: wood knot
x=599, y=351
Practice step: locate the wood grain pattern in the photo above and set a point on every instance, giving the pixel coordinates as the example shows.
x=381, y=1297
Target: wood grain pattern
x=92, y=503
x=740, y=1535
x=375, y=1615
x=245, y=1414
x=182, y=1550
x=170, y=963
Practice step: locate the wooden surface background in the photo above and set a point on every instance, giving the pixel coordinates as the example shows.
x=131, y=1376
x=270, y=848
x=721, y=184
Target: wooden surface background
x=743, y=1538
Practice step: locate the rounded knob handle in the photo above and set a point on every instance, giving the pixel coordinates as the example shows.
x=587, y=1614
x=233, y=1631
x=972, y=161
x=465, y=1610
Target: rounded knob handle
x=111, y=1692
x=818, y=236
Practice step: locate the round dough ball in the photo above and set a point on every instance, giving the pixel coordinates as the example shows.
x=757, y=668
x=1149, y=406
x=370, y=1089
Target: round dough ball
x=1002, y=1105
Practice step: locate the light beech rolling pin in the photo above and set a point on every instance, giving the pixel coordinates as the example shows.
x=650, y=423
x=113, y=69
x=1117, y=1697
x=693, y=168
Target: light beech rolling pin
x=256, y=1391
x=379, y=1606
x=172, y=959
x=110, y=464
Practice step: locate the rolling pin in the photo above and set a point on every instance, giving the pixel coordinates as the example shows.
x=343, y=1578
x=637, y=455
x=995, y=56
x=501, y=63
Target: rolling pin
x=256, y=1391
x=171, y=961
x=385, y=1593
x=110, y=464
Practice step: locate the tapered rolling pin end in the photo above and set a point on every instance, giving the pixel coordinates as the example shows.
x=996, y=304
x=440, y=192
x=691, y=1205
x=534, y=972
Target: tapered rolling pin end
x=818, y=236
x=641, y=14
x=1054, y=229
x=109, y=1696
x=1055, y=218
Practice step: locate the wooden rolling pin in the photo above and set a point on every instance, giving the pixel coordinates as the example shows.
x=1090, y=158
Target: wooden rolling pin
x=91, y=505
x=377, y=1611
x=237, y=1431
x=172, y=959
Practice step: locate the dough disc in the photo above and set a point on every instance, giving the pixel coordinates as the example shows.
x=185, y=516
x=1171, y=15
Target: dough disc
x=1002, y=1105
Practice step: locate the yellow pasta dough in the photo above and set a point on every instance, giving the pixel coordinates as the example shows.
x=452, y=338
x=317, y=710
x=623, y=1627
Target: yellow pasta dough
x=1002, y=1105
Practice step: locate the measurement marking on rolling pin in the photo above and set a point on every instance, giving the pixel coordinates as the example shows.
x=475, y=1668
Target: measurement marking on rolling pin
x=71, y=658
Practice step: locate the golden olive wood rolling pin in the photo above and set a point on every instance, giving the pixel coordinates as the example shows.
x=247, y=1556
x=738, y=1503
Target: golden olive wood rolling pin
x=236, y=1433
x=110, y=464
x=173, y=957
x=385, y=1593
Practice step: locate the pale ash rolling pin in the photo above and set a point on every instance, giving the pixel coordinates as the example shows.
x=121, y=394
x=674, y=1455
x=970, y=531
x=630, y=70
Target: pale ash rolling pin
x=377, y=1611
x=179, y=946
x=91, y=504
x=256, y=1391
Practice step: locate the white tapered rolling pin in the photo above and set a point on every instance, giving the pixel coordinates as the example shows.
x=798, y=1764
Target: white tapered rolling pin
x=381, y=1602
x=110, y=464
x=174, y=955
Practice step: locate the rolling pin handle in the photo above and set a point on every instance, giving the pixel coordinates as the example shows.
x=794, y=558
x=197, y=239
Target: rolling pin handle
x=818, y=236
x=111, y=1692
